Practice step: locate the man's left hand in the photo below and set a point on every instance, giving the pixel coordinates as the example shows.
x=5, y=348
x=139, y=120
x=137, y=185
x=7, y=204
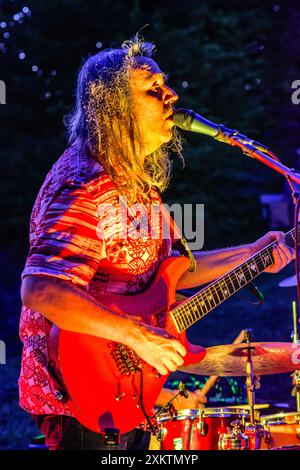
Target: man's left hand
x=282, y=253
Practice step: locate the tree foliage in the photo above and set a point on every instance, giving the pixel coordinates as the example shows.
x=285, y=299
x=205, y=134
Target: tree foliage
x=225, y=59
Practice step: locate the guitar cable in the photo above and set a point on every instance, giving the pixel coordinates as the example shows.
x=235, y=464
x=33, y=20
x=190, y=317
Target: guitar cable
x=153, y=427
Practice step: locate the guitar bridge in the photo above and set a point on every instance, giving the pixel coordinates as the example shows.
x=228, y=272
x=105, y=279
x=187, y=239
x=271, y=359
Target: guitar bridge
x=127, y=361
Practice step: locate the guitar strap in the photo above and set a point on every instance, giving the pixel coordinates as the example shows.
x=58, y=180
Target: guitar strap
x=178, y=241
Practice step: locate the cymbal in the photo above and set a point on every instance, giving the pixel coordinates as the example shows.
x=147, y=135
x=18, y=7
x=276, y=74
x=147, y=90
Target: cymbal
x=289, y=282
x=230, y=359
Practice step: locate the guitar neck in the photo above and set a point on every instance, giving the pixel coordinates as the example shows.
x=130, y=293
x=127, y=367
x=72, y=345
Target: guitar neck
x=203, y=302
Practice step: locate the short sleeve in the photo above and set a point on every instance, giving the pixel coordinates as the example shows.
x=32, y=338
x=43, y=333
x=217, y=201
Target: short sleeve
x=67, y=242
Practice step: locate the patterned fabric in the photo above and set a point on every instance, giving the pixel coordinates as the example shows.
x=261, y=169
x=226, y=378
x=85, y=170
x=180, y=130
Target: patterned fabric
x=80, y=232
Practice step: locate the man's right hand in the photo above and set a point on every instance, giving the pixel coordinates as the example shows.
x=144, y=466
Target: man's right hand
x=79, y=312
x=156, y=347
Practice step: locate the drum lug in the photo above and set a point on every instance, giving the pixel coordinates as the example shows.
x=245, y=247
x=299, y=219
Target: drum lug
x=267, y=437
x=202, y=427
x=161, y=434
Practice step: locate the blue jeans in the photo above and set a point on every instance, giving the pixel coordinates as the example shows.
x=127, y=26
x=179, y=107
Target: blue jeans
x=66, y=433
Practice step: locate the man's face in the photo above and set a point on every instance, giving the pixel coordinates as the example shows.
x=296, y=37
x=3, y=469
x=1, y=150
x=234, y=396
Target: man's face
x=153, y=102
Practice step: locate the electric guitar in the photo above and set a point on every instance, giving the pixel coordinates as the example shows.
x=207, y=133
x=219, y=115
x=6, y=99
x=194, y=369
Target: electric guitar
x=107, y=383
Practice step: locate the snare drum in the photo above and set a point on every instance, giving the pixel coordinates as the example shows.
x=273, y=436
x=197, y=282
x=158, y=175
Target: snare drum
x=196, y=429
x=282, y=430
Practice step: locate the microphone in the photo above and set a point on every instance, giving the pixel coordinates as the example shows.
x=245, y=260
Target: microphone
x=188, y=120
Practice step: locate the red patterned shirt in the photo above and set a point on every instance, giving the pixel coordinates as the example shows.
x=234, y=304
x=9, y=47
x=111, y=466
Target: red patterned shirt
x=79, y=232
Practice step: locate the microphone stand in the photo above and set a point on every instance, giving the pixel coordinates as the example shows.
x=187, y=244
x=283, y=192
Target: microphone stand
x=169, y=406
x=265, y=156
x=270, y=160
x=293, y=177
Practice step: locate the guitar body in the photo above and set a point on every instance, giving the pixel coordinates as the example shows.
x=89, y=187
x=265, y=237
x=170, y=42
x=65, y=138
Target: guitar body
x=107, y=383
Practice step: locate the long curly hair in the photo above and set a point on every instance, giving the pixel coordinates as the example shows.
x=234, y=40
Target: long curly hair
x=103, y=121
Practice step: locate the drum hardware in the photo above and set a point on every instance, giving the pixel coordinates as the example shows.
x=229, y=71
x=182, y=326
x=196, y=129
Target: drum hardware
x=238, y=427
x=296, y=389
x=255, y=433
x=247, y=360
x=234, y=439
x=251, y=383
x=169, y=405
x=282, y=430
x=202, y=426
x=296, y=375
x=200, y=429
x=162, y=432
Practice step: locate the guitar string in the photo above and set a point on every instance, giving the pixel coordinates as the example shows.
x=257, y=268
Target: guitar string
x=180, y=312
x=245, y=266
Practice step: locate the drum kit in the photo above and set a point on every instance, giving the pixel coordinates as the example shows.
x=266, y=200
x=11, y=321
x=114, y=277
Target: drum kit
x=240, y=427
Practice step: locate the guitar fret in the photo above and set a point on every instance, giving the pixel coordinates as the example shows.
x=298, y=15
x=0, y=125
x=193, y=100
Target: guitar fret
x=233, y=288
x=189, y=316
x=253, y=268
x=247, y=272
x=217, y=293
x=241, y=277
x=235, y=281
x=204, y=305
x=201, y=313
x=179, y=320
x=194, y=311
x=211, y=296
x=185, y=321
x=225, y=289
x=266, y=259
x=197, y=308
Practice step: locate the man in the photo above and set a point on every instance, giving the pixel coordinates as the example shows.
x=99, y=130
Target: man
x=119, y=136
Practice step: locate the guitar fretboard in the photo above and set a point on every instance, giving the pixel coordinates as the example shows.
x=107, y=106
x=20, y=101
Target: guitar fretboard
x=197, y=306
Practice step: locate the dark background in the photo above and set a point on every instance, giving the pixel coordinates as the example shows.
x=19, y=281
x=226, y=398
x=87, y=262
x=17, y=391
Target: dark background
x=232, y=62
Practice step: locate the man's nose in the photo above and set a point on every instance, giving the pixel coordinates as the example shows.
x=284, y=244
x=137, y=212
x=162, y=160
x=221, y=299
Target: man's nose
x=170, y=96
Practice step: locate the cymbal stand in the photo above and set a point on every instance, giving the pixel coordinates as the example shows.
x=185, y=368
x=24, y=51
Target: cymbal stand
x=253, y=431
x=250, y=380
x=169, y=406
x=296, y=375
